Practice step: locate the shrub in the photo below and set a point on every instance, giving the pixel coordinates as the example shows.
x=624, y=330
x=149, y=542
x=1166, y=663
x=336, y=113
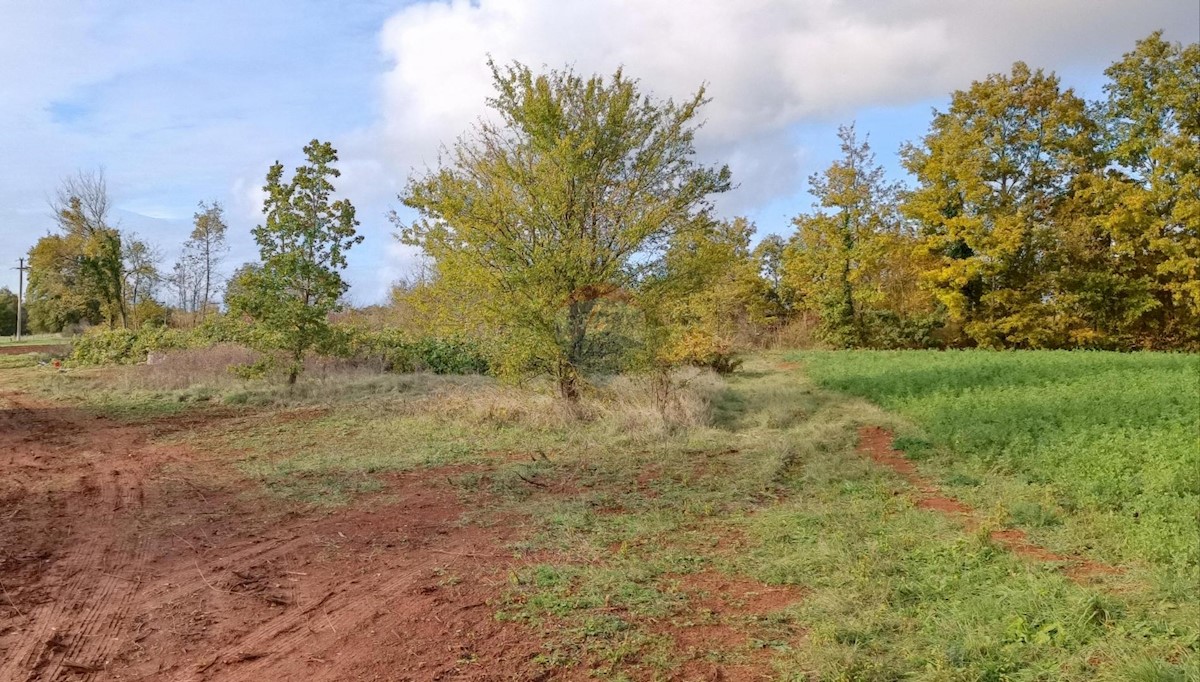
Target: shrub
x=104, y=347
x=697, y=348
x=387, y=350
x=395, y=351
x=886, y=330
x=132, y=346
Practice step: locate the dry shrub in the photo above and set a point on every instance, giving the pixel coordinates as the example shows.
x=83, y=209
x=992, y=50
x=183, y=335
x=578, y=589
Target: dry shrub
x=325, y=368
x=635, y=405
x=658, y=404
x=181, y=369
x=799, y=333
x=495, y=403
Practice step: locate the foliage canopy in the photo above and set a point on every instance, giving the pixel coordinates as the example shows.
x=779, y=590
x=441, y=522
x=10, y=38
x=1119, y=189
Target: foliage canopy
x=565, y=198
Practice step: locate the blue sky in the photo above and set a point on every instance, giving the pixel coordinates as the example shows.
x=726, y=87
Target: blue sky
x=185, y=101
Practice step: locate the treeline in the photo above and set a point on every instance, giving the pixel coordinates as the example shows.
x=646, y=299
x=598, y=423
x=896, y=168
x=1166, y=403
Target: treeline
x=573, y=233
x=89, y=272
x=578, y=234
x=1037, y=219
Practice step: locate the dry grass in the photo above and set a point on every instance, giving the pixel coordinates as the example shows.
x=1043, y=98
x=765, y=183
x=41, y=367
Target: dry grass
x=642, y=406
x=215, y=366
x=657, y=406
x=181, y=369
x=639, y=404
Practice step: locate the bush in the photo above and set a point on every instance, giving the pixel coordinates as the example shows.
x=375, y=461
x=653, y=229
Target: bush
x=885, y=330
x=131, y=346
x=395, y=351
x=697, y=348
x=447, y=356
x=387, y=350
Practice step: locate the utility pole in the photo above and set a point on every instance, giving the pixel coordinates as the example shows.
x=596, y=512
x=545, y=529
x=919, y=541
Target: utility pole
x=20, y=292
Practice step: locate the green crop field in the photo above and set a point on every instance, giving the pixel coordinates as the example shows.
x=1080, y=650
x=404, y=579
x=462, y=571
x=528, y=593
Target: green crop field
x=1093, y=453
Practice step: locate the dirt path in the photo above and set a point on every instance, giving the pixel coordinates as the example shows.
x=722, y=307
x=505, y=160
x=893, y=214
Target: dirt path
x=119, y=561
x=877, y=444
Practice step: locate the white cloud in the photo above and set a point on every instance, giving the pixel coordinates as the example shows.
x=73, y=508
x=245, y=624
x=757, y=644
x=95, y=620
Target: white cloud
x=769, y=64
x=189, y=101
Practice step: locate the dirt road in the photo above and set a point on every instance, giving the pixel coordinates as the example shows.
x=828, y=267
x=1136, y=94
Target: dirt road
x=125, y=559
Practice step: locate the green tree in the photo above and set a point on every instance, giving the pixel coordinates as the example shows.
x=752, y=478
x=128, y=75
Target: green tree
x=8, y=313
x=560, y=204
x=55, y=296
x=770, y=254
x=141, y=280
x=997, y=173
x=205, y=250
x=836, y=252
x=78, y=274
x=302, y=247
x=708, y=299
x=1150, y=225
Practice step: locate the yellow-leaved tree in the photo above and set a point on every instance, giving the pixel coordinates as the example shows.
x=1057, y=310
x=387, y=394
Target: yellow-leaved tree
x=557, y=205
x=997, y=174
x=852, y=259
x=1150, y=222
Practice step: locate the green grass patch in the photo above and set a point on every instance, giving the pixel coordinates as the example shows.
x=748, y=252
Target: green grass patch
x=1094, y=453
x=35, y=340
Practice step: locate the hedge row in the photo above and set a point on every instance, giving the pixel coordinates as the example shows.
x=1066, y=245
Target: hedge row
x=391, y=350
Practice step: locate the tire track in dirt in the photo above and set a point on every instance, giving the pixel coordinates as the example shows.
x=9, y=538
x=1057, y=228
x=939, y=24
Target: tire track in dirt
x=876, y=443
x=113, y=569
x=69, y=634
x=109, y=605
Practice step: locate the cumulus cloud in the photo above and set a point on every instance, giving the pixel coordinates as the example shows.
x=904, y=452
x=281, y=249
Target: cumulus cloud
x=186, y=101
x=768, y=64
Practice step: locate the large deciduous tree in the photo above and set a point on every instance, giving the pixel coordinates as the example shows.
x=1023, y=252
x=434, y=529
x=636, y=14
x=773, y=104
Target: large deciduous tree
x=559, y=201
x=78, y=274
x=1150, y=220
x=302, y=248
x=997, y=174
x=851, y=257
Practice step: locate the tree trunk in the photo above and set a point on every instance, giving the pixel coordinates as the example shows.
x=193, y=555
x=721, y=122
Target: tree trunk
x=207, y=277
x=295, y=367
x=849, y=321
x=568, y=369
x=568, y=382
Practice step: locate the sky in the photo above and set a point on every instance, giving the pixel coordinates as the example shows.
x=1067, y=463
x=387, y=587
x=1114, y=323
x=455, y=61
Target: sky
x=181, y=101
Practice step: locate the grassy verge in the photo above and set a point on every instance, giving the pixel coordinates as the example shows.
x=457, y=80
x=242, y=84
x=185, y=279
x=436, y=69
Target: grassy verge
x=739, y=529
x=34, y=340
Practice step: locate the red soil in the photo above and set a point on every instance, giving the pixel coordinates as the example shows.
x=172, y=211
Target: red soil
x=119, y=560
x=717, y=605
x=877, y=443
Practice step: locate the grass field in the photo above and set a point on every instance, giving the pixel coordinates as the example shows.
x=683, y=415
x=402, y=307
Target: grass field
x=34, y=340
x=745, y=529
x=1093, y=453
